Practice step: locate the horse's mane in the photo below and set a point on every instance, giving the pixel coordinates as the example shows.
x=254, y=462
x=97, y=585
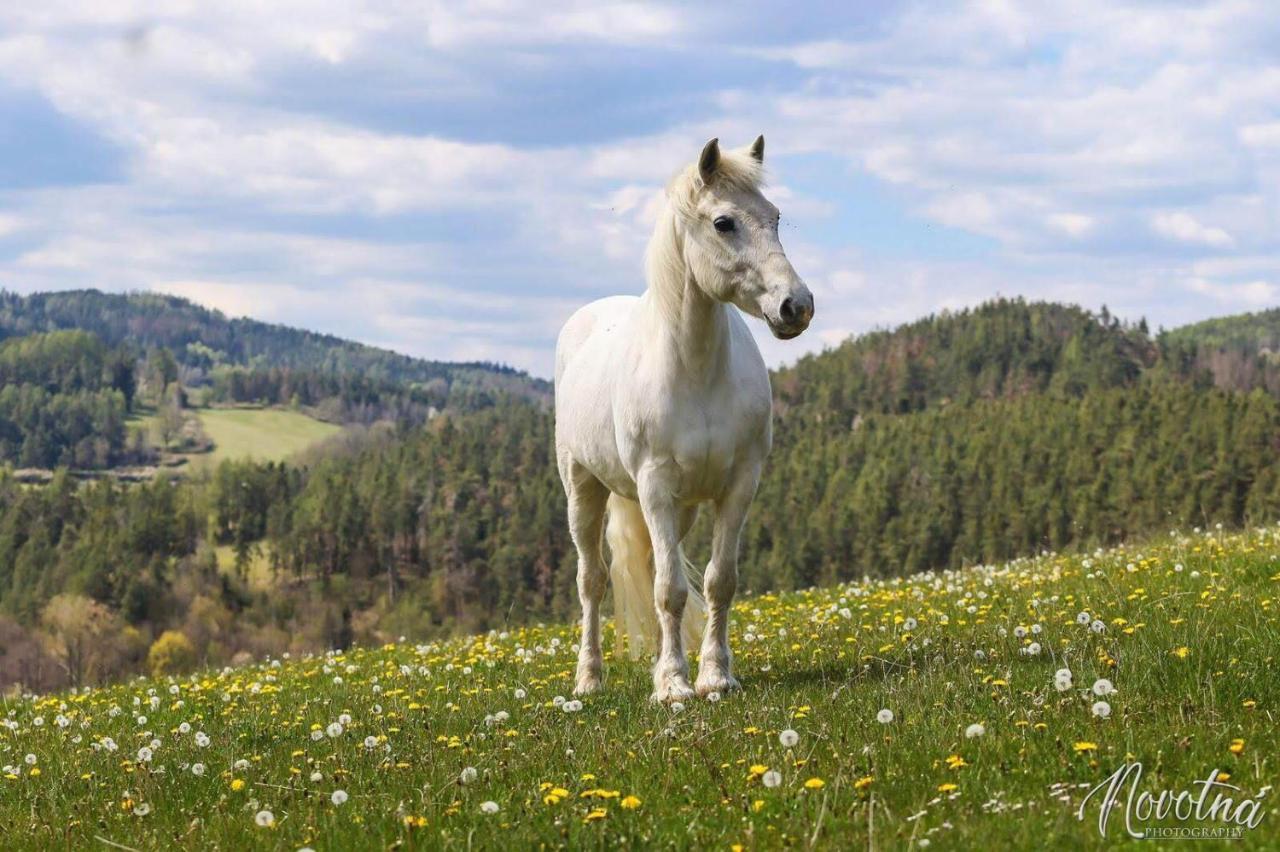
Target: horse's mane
x=736, y=168
x=665, y=259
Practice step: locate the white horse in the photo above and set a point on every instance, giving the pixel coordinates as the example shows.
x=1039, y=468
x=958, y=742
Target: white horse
x=662, y=404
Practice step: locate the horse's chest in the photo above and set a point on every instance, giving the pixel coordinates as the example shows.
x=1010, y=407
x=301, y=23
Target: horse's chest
x=708, y=440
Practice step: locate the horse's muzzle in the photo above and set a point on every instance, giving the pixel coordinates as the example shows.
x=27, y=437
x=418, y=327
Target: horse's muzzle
x=794, y=315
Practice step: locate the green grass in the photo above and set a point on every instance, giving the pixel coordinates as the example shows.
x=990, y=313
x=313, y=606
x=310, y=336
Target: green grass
x=1190, y=641
x=263, y=434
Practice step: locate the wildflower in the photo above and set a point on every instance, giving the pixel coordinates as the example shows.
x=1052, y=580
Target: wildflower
x=947, y=787
x=489, y=807
x=595, y=815
x=885, y=716
x=317, y=777
x=630, y=803
x=237, y=785
x=30, y=759
x=677, y=707
x=141, y=809
x=520, y=694
x=815, y=784
x=468, y=775
x=197, y=769
x=977, y=729
x=713, y=697
x=1083, y=618
x=202, y=739
x=339, y=797
x=1236, y=747
x=772, y=778
x=370, y=742
x=334, y=729
x=1182, y=652
x=1097, y=626
x=788, y=738
x=1101, y=709
x=144, y=754
x=1084, y=746
x=265, y=819
x=1102, y=687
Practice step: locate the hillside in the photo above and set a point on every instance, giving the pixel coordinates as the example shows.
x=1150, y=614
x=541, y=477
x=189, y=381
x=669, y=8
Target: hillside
x=1240, y=352
x=201, y=340
x=878, y=714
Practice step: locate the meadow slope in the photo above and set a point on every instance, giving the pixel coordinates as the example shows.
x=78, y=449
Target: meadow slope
x=472, y=743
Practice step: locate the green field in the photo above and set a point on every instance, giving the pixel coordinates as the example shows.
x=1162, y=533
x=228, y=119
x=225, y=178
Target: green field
x=470, y=744
x=263, y=434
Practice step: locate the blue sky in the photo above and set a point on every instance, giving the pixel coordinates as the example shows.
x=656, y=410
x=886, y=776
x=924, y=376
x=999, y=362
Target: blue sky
x=452, y=179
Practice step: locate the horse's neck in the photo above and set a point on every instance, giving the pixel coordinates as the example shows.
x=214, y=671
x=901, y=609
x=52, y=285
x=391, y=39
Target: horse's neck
x=690, y=328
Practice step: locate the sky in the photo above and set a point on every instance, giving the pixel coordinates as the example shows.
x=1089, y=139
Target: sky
x=452, y=180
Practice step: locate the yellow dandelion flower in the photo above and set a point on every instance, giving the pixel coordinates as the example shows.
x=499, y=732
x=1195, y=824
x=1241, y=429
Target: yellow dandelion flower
x=1085, y=746
x=815, y=784
x=1236, y=747
x=630, y=803
x=947, y=787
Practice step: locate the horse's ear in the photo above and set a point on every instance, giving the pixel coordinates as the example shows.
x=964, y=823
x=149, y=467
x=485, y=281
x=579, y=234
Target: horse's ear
x=709, y=160
x=757, y=148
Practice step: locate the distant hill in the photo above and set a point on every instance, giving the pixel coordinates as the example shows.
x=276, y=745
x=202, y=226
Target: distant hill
x=1254, y=333
x=1002, y=349
x=202, y=339
x=1239, y=352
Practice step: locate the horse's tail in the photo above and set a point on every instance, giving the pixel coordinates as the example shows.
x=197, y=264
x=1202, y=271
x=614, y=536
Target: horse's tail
x=631, y=570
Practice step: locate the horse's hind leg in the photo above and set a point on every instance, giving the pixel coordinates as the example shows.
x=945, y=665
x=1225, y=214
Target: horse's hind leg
x=587, y=499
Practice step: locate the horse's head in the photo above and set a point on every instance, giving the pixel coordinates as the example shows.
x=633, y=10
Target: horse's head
x=731, y=240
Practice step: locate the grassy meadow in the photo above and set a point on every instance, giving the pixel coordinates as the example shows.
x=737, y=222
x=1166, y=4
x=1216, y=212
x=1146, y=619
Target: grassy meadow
x=262, y=434
x=477, y=742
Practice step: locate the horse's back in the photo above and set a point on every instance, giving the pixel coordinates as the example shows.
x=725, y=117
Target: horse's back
x=599, y=318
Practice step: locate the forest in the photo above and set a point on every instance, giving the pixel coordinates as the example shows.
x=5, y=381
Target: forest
x=962, y=438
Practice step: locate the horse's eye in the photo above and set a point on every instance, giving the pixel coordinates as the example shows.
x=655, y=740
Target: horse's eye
x=724, y=224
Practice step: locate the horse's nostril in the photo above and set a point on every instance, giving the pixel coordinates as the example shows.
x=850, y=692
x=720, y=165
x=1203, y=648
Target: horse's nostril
x=788, y=310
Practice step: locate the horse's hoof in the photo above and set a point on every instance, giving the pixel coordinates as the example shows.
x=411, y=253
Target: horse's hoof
x=717, y=682
x=587, y=685
x=672, y=690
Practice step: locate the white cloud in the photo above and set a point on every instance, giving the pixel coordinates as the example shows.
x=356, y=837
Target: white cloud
x=1071, y=224
x=1183, y=227
x=1252, y=294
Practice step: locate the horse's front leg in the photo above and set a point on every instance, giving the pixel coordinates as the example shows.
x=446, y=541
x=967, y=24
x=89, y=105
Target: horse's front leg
x=715, y=668
x=670, y=588
x=587, y=500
